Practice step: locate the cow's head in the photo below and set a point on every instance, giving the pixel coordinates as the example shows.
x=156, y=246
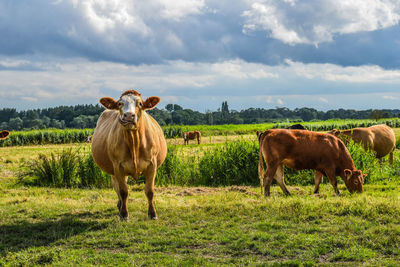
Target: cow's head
x=4, y=134
x=130, y=106
x=354, y=180
x=335, y=132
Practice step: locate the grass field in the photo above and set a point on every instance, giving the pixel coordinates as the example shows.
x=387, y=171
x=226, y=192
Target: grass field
x=208, y=226
x=200, y=226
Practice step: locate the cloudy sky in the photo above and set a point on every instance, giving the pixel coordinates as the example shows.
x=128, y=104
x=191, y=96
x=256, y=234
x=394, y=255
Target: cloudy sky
x=325, y=54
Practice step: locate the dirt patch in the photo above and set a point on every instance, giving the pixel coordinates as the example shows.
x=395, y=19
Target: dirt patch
x=242, y=189
x=297, y=190
x=192, y=191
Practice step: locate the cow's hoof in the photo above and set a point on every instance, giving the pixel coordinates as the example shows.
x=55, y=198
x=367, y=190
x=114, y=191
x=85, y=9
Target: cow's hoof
x=152, y=215
x=123, y=216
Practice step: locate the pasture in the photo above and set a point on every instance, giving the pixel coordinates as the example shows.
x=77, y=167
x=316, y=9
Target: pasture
x=198, y=225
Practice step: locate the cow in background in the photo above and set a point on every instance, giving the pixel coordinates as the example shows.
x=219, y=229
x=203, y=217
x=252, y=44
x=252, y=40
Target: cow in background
x=300, y=150
x=296, y=127
x=4, y=134
x=191, y=136
x=128, y=141
x=379, y=138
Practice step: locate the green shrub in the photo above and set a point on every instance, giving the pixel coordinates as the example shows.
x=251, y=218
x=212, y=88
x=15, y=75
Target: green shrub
x=232, y=163
x=67, y=169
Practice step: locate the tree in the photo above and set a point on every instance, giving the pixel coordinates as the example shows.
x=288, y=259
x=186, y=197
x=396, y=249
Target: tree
x=177, y=107
x=169, y=107
x=225, y=108
x=376, y=114
x=16, y=123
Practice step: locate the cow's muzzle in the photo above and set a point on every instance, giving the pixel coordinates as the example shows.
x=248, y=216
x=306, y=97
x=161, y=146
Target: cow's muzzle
x=127, y=123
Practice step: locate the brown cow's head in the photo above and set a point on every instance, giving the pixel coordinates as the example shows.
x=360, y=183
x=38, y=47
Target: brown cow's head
x=4, y=134
x=130, y=106
x=354, y=180
x=335, y=132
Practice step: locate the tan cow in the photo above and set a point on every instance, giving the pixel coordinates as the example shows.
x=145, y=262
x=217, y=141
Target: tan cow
x=379, y=138
x=300, y=150
x=4, y=134
x=191, y=136
x=128, y=141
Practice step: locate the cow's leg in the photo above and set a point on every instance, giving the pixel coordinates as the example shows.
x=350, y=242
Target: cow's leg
x=120, y=186
x=280, y=179
x=268, y=176
x=149, y=189
x=114, y=183
x=391, y=157
x=318, y=179
x=332, y=178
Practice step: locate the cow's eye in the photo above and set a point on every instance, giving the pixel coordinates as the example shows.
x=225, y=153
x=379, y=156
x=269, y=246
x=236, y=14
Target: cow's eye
x=140, y=104
x=355, y=182
x=120, y=104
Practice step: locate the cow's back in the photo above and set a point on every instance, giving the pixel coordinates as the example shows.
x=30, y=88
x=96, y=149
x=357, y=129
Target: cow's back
x=384, y=140
x=299, y=149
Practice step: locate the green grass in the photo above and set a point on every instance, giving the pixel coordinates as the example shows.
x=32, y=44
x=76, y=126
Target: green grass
x=200, y=226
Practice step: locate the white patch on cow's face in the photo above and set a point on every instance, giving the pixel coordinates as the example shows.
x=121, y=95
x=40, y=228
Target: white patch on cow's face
x=129, y=106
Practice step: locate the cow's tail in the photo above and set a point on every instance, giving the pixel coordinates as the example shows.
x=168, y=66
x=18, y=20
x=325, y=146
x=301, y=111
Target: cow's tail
x=261, y=169
x=261, y=161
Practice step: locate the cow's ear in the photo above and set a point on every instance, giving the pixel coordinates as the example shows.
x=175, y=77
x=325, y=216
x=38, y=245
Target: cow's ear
x=109, y=103
x=258, y=134
x=4, y=134
x=335, y=132
x=348, y=173
x=151, y=102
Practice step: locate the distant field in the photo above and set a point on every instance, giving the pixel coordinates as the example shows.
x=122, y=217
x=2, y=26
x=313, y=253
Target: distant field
x=55, y=136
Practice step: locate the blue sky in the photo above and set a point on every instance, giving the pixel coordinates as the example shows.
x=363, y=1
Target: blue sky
x=325, y=54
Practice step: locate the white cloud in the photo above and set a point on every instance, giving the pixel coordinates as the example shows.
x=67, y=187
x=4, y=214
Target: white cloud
x=336, y=73
x=323, y=100
x=389, y=97
x=178, y=9
x=316, y=21
x=82, y=81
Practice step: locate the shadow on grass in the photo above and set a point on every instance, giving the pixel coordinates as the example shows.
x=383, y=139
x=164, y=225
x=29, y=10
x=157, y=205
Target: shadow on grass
x=23, y=235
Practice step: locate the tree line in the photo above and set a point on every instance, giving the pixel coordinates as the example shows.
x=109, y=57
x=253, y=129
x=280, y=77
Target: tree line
x=85, y=116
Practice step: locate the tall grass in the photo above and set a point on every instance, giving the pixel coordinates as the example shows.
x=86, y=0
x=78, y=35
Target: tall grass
x=69, y=168
x=229, y=163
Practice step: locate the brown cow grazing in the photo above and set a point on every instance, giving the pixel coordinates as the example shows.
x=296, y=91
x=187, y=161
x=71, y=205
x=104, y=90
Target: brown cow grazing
x=379, y=138
x=4, y=134
x=128, y=141
x=191, y=136
x=297, y=126
x=300, y=150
